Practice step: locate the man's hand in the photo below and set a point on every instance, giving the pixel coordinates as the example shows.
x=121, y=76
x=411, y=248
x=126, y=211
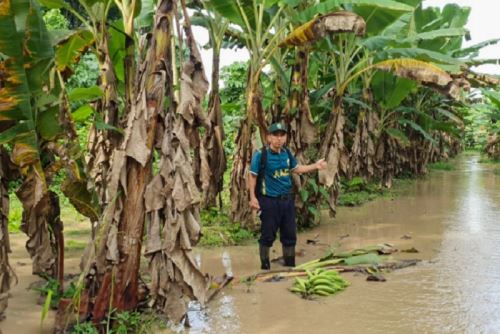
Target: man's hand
x=254, y=204
x=320, y=164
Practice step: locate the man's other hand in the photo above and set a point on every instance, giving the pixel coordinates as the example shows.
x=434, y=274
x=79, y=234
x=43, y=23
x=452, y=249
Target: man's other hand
x=254, y=204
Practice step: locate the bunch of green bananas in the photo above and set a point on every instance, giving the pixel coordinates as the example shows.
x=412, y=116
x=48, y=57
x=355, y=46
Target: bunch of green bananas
x=319, y=282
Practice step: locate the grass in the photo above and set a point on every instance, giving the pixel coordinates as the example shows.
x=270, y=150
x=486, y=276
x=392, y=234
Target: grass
x=85, y=233
x=356, y=198
x=358, y=191
x=218, y=230
x=126, y=322
x=74, y=245
x=15, y=214
x=486, y=160
x=441, y=165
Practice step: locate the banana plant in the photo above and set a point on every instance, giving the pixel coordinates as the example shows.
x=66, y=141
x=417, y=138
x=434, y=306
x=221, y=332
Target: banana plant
x=213, y=157
x=492, y=147
x=27, y=114
x=302, y=131
x=38, y=126
x=169, y=198
x=258, y=20
x=107, y=44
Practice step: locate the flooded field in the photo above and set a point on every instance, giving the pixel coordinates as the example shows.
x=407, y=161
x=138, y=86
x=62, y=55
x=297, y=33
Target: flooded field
x=450, y=217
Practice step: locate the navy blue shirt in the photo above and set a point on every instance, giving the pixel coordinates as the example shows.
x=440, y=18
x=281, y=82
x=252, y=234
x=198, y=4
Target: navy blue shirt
x=277, y=180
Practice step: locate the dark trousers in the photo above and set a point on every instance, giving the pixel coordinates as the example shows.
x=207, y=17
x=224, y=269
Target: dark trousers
x=277, y=213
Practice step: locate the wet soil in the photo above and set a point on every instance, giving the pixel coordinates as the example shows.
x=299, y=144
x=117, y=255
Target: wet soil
x=450, y=217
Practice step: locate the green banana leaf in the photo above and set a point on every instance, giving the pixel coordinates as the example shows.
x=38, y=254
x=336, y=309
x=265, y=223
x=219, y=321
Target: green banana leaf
x=417, y=128
x=452, y=16
x=85, y=94
x=473, y=50
x=370, y=258
x=398, y=135
x=493, y=96
x=390, y=90
x=69, y=52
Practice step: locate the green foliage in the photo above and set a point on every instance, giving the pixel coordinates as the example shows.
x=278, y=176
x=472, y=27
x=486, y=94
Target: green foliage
x=74, y=245
x=53, y=294
x=357, y=191
x=441, y=165
x=15, y=213
x=125, y=323
x=487, y=160
x=234, y=83
x=232, y=95
x=218, y=230
x=55, y=20
x=85, y=74
x=84, y=328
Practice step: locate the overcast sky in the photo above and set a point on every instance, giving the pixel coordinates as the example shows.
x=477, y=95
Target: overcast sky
x=483, y=24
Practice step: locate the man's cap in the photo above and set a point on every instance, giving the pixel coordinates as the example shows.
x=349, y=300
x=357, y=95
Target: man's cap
x=276, y=127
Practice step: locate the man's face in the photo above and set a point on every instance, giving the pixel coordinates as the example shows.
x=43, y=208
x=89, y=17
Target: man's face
x=277, y=139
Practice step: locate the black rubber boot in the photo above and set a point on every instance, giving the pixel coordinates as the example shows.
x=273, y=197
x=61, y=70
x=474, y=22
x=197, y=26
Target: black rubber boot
x=289, y=256
x=265, y=264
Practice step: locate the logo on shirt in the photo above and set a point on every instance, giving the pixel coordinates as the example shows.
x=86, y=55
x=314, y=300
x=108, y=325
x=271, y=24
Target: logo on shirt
x=281, y=173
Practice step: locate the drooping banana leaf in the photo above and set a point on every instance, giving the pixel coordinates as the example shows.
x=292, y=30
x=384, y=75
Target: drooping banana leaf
x=326, y=24
x=332, y=5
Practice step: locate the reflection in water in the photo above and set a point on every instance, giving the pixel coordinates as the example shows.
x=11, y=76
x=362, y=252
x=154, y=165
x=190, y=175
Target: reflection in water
x=223, y=317
x=226, y=263
x=197, y=260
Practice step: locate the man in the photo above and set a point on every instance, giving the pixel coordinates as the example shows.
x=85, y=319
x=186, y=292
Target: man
x=270, y=186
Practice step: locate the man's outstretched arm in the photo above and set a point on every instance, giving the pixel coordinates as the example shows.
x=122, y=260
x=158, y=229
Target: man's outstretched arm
x=318, y=165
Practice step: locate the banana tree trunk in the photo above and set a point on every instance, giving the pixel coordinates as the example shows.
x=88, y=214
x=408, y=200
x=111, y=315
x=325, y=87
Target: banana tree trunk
x=213, y=154
x=101, y=143
x=362, y=155
x=240, y=209
x=386, y=160
x=194, y=86
x=173, y=200
x=302, y=134
x=333, y=151
x=6, y=272
x=113, y=275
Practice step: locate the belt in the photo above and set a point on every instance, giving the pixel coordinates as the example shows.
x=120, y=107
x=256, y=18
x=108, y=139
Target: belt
x=282, y=197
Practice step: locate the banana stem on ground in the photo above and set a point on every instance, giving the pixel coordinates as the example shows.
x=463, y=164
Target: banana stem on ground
x=268, y=275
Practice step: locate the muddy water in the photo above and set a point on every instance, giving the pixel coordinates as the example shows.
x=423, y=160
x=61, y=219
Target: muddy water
x=450, y=217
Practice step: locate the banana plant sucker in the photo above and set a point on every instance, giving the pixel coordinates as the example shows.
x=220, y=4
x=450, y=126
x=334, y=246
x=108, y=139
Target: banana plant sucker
x=128, y=9
x=103, y=142
x=213, y=139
